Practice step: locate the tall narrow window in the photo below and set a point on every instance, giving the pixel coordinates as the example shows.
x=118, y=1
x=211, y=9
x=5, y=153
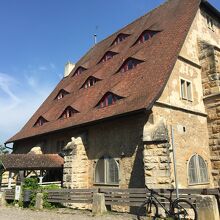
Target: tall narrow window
x=146, y=35
x=108, y=55
x=120, y=38
x=186, y=90
x=79, y=71
x=129, y=64
x=108, y=99
x=40, y=121
x=107, y=171
x=197, y=170
x=90, y=82
x=68, y=112
x=61, y=94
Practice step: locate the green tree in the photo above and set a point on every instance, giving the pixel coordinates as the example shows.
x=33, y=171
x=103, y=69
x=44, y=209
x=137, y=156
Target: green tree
x=3, y=149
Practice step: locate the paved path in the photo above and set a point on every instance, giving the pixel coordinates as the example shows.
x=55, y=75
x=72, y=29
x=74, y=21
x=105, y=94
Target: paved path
x=11, y=213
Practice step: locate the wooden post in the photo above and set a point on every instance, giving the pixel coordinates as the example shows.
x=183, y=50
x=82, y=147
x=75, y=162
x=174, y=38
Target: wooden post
x=2, y=199
x=9, y=180
x=41, y=177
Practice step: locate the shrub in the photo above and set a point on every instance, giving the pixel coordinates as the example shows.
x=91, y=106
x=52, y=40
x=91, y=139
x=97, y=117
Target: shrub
x=32, y=184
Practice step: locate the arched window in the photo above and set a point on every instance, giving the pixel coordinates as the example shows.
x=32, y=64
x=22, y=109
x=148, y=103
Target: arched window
x=197, y=170
x=107, y=171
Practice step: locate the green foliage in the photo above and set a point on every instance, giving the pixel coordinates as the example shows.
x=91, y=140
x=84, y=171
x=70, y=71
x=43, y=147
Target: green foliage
x=46, y=204
x=32, y=184
x=3, y=149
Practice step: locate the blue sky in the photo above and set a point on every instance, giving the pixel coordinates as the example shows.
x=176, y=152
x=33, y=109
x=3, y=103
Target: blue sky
x=37, y=38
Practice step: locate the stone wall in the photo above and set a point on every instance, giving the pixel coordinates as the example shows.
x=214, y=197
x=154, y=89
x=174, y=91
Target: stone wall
x=157, y=165
x=213, y=110
x=75, y=171
x=210, y=62
x=120, y=138
x=156, y=153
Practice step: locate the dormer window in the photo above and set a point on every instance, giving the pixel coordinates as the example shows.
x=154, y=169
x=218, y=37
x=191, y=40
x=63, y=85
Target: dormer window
x=108, y=55
x=146, y=35
x=120, y=38
x=68, y=112
x=108, y=99
x=40, y=121
x=79, y=70
x=129, y=64
x=90, y=82
x=61, y=94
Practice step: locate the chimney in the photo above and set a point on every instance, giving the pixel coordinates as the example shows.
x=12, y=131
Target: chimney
x=68, y=68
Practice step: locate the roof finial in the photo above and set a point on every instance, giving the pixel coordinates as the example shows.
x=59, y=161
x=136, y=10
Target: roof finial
x=95, y=39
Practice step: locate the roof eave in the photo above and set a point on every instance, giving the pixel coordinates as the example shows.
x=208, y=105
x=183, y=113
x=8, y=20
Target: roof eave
x=210, y=8
x=144, y=110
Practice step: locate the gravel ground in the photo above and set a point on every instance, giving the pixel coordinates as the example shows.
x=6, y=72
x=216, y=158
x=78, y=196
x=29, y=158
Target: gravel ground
x=11, y=213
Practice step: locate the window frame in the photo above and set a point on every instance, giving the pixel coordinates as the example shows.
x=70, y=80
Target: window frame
x=79, y=70
x=106, y=158
x=188, y=95
x=107, y=56
x=198, y=171
x=68, y=112
x=40, y=122
x=104, y=101
x=61, y=94
x=142, y=37
x=90, y=81
x=129, y=64
x=119, y=40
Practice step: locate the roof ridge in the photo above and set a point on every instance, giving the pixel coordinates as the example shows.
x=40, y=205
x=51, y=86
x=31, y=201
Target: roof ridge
x=119, y=30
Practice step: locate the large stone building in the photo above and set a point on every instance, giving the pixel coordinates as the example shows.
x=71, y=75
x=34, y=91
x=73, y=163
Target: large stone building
x=145, y=96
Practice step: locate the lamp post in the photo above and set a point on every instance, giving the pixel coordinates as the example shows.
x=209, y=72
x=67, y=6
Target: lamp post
x=174, y=162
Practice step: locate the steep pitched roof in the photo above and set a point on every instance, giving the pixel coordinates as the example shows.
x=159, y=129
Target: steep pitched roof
x=140, y=86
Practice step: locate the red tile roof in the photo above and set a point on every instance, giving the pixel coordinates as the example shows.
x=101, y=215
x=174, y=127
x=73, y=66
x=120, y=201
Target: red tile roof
x=140, y=86
x=31, y=161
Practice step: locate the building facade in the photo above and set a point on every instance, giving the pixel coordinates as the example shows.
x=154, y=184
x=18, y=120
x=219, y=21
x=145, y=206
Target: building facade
x=138, y=101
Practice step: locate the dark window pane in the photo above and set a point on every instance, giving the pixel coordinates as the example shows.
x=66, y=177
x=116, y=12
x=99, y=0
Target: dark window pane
x=99, y=171
x=111, y=171
x=146, y=36
x=130, y=65
x=192, y=170
x=203, y=170
x=110, y=99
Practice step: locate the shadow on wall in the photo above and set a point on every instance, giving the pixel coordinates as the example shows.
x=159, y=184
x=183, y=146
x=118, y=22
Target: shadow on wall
x=121, y=139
